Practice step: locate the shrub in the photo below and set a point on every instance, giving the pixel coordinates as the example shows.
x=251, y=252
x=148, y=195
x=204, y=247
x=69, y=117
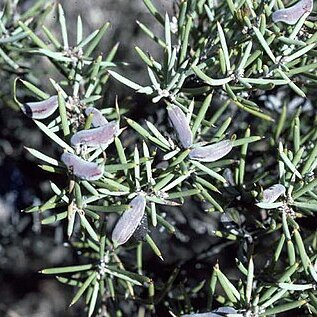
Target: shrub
x=222, y=167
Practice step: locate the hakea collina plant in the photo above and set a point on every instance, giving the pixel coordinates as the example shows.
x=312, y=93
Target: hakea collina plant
x=223, y=65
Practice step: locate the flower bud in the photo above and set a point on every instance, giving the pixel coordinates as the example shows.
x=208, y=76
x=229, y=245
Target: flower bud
x=40, y=109
x=211, y=153
x=129, y=221
x=83, y=169
x=181, y=125
x=271, y=194
x=292, y=14
x=98, y=119
x=102, y=136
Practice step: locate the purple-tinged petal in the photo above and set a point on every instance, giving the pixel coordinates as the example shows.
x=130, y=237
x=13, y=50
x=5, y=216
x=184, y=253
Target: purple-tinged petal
x=83, y=169
x=40, y=109
x=98, y=119
x=211, y=153
x=292, y=14
x=219, y=312
x=181, y=125
x=271, y=194
x=102, y=136
x=129, y=221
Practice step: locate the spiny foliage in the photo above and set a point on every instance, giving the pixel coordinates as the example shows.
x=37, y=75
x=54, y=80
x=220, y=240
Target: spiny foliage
x=238, y=90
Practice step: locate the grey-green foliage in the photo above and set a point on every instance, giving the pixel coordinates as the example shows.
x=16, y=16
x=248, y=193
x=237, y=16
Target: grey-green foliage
x=223, y=62
x=14, y=42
